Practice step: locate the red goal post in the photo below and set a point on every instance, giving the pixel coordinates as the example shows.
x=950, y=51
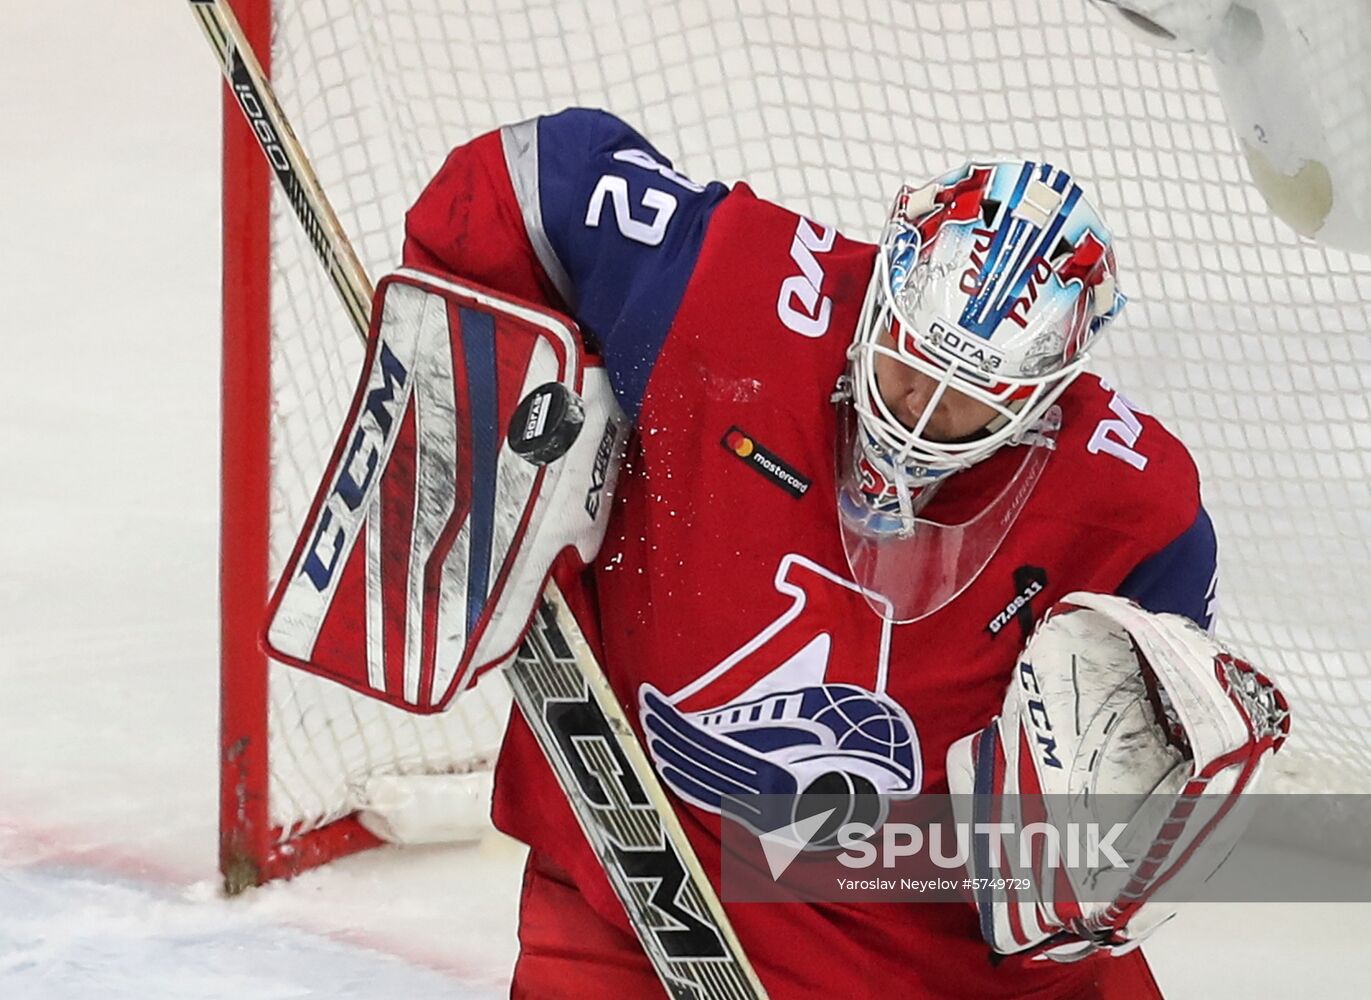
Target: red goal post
x=1254, y=345
x=252, y=848
x=308, y=771
x=248, y=848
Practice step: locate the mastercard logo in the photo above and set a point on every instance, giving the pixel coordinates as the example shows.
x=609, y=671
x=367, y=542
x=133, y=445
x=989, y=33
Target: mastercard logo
x=739, y=443
x=765, y=462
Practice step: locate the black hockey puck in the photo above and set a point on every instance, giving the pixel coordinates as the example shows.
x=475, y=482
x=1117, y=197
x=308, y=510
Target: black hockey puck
x=545, y=423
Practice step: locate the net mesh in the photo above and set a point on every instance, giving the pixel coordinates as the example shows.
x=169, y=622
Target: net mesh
x=1248, y=342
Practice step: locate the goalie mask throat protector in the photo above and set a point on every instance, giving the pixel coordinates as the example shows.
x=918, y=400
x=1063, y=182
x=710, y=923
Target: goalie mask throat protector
x=992, y=281
x=909, y=563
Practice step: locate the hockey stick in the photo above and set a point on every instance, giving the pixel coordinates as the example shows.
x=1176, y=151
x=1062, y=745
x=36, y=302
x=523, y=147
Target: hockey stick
x=557, y=682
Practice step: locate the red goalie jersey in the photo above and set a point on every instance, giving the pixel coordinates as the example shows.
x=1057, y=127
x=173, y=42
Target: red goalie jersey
x=724, y=322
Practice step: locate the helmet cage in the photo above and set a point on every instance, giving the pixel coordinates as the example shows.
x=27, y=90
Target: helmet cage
x=1017, y=402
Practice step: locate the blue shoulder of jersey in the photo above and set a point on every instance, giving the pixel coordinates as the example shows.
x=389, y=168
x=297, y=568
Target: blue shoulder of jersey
x=1182, y=577
x=615, y=228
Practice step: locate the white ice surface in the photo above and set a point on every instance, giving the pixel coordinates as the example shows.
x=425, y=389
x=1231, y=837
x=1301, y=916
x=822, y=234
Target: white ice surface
x=109, y=307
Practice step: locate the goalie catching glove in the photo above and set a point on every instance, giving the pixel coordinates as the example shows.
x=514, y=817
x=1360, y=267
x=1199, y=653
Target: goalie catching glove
x=1145, y=710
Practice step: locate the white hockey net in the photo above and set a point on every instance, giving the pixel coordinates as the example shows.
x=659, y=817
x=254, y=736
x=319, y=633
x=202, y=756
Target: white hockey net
x=1251, y=344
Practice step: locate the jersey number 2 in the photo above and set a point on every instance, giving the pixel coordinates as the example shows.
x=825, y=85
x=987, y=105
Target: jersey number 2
x=662, y=203
x=615, y=188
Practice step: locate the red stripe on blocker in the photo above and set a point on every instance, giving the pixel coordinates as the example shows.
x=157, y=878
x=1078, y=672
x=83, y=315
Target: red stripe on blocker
x=342, y=640
x=461, y=506
x=397, y=499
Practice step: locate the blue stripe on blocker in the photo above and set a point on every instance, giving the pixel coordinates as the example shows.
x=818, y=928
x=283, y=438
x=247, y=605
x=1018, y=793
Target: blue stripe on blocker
x=478, y=349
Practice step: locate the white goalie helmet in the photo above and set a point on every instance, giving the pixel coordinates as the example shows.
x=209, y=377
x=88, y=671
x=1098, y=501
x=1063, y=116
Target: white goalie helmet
x=991, y=281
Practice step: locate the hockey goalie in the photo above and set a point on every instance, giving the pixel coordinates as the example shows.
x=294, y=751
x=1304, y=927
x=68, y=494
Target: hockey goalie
x=857, y=477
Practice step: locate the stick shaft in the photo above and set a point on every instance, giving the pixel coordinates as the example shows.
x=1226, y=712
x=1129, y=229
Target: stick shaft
x=624, y=811
x=287, y=159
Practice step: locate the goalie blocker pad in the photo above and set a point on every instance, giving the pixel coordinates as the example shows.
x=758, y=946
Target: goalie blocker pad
x=429, y=540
